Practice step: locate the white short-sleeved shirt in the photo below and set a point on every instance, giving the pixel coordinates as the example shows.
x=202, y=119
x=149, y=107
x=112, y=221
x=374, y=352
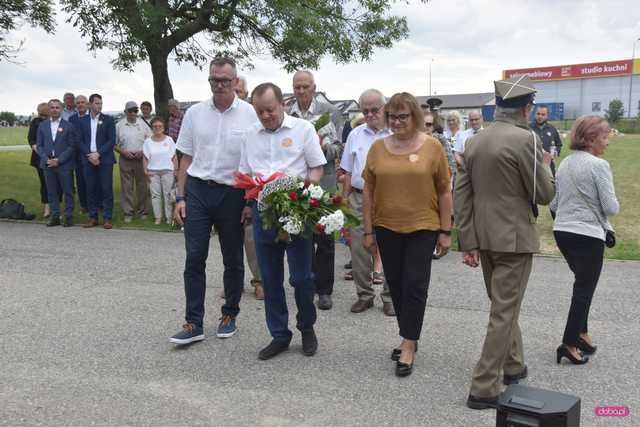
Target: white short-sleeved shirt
x=461, y=139
x=292, y=149
x=356, y=149
x=213, y=138
x=159, y=154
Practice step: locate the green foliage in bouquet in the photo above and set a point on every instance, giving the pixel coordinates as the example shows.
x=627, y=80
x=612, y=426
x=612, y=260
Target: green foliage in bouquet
x=297, y=207
x=322, y=121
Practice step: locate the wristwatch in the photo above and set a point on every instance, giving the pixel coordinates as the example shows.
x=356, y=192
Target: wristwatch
x=445, y=232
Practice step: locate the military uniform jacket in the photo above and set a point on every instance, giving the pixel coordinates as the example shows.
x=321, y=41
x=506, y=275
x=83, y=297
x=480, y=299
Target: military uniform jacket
x=495, y=189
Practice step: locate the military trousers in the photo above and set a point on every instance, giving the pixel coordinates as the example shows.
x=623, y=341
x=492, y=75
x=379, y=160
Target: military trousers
x=505, y=276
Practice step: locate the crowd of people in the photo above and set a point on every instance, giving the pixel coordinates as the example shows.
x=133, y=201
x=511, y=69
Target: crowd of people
x=408, y=178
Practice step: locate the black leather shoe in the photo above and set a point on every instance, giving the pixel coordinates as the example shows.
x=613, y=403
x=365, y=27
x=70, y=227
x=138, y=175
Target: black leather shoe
x=309, y=342
x=68, y=222
x=54, y=221
x=563, y=351
x=361, y=305
x=395, y=353
x=404, y=369
x=324, y=302
x=515, y=379
x=585, y=348
x=474, y=402
x=274, y=348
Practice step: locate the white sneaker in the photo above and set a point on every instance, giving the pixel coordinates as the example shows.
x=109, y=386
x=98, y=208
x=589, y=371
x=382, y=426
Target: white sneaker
x=127, y=219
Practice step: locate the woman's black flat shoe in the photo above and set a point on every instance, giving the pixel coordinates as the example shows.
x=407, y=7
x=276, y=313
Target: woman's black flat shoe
x=404, y=369
x=563, y=351
x=395, y=353
x=585, y=347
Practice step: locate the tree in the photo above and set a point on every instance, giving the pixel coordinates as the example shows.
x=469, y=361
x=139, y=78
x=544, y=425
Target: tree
x=8, y=116
x=296, y=33
x=615, y=111
x=13, y=13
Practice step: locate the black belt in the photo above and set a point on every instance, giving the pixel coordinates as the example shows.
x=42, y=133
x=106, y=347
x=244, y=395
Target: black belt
x=210, y=182
x=357, y=190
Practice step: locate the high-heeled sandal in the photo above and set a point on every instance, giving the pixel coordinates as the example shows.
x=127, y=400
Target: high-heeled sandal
x=395, y=353
x=563, y=351
x=585, y=347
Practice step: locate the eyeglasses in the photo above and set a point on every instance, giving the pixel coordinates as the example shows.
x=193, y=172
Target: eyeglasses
x=222, y=82
x=133, y=110
x=428, y=124
x=374, y=111
x=403, y=117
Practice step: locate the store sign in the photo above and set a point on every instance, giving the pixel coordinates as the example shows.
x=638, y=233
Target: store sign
x=577, y=71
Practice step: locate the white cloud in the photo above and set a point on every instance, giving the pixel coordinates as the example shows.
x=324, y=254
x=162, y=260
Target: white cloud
x=470, y=43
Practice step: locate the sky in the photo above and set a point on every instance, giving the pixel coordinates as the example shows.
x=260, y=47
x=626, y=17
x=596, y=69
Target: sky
x=467, y=44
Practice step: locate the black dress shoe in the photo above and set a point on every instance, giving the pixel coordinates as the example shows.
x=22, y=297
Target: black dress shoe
x=395, y=353
x=324, y=302
x=563, y=351
x=474, y=402
x=68, y=222
x=309, y=342
x=404, y=369
x=585, y=347
x=274, y=348
x=515, y=379
x=361, y=305
x=54, y=221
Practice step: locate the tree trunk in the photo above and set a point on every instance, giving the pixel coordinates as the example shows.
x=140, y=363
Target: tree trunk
x=162, y=90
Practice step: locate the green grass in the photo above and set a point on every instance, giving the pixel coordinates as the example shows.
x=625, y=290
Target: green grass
x=13, y=136
x=18, y=180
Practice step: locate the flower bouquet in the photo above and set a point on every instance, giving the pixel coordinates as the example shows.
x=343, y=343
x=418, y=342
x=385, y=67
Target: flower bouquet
x=294, y=206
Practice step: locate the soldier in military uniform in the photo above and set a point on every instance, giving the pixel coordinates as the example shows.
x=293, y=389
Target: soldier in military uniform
x=504, y=175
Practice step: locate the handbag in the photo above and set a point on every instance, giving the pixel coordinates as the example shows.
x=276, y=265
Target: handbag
x=609, y=235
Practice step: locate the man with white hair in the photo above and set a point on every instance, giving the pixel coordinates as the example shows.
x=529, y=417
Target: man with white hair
x=475, y=122
x=241, y=88
x=69, y=109
x=307, y=107
x=354, y=158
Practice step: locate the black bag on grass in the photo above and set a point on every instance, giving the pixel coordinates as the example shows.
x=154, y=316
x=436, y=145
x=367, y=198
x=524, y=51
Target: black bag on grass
x=11, y=209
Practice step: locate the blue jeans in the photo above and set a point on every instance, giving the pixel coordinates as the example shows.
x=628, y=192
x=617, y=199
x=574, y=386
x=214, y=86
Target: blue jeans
x=58, y=179
x=270, y=255
x=99, y=180
x=221, y=206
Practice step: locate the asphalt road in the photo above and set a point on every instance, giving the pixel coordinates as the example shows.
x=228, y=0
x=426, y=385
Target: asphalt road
x=85, y=316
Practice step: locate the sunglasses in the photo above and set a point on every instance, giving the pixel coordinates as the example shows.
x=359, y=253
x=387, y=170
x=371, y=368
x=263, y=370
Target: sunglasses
x=133, y=110
x=428, y=124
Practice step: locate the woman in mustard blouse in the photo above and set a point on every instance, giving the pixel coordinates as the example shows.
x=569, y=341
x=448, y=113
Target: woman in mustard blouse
x=407, y=214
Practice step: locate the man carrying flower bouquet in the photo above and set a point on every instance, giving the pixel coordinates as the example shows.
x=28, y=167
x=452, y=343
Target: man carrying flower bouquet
x=289, y=146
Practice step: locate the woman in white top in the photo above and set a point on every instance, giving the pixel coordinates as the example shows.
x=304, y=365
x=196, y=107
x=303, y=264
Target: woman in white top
x=585, y=197
x=160, y=166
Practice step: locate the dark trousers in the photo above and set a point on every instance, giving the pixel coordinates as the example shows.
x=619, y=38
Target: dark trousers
x=323, y=263
x=44, y=197
x=207, y=205
x=406, y=259
x=271, y=261
x=584, y=255
x=99, y=181
x=81, y=185
x=57, y=179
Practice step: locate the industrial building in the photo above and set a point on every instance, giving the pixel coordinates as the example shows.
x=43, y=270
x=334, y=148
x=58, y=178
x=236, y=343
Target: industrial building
x=587, y=88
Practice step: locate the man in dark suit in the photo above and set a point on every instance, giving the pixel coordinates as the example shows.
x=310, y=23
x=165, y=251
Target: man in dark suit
x=56, y=143
x=98, y=138
x=82, y=109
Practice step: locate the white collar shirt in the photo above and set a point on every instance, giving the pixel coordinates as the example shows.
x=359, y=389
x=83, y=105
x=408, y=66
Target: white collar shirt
x=293, y=149
x=213, y=138
x=307, y=115
x=356, y=150
x=461, y=139
x=131, y=136
x=54, y=128
x=95, y=120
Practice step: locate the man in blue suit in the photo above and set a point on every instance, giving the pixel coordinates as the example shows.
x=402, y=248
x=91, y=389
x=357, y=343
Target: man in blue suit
x=98, y=138
x=55, y=143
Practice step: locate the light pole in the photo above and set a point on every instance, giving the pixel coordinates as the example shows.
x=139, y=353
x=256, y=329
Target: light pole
x=430, y=75
x=633, y=55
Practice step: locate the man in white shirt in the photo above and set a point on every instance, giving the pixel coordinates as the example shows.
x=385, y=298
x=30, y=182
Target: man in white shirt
x=281, y=143
x=210, y=138
x=130, y=136
x=354, y=158
x=475, y=121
